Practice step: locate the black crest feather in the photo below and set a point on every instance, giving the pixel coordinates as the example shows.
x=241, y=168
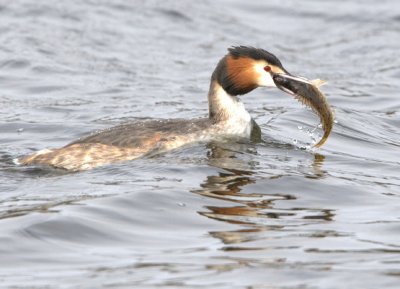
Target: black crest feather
x=255, y=53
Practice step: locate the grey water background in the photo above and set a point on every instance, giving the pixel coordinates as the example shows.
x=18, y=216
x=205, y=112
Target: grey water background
x=222, y=215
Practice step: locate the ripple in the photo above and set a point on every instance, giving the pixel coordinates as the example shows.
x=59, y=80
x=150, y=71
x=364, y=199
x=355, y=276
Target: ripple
x=15, y=64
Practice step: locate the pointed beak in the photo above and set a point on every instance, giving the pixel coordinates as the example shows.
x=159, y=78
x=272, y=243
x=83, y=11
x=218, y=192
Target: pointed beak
x=307, y=92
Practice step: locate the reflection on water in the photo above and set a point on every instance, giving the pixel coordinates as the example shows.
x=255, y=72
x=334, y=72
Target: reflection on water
x=259, y=211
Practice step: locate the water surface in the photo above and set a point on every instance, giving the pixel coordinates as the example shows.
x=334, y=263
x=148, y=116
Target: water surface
x=275, y=214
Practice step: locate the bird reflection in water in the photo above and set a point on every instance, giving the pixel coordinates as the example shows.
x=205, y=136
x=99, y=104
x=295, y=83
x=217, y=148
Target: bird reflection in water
x=255, y=212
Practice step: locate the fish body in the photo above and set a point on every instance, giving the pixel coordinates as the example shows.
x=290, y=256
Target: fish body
x=308, y=93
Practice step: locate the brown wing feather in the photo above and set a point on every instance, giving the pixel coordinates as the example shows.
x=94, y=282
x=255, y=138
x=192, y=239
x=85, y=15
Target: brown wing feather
x=138, y=134
x=120, y=143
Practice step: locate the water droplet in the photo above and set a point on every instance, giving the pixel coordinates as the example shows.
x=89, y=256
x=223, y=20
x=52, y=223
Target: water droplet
x=20, y=130
x=295, y=141
x=300, y=127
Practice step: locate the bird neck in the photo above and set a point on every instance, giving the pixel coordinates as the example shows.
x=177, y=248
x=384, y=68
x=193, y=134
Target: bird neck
x=224, y=107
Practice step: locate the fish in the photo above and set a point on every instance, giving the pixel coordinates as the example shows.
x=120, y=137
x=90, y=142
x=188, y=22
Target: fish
x=309, y=94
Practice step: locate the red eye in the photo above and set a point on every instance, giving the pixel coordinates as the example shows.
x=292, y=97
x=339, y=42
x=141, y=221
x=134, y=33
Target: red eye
x=267, y=68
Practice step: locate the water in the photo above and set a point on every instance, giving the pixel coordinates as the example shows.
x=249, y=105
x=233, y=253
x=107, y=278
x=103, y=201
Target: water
x=235, y=215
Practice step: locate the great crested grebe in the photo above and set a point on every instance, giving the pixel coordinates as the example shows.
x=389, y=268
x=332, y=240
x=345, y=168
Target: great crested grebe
x=239, y=72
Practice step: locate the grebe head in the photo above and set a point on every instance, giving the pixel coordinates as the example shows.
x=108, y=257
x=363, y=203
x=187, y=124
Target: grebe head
x=246, y=68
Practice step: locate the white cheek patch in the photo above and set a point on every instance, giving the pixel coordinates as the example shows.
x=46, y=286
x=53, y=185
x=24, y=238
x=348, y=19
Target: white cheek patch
x=264, y=77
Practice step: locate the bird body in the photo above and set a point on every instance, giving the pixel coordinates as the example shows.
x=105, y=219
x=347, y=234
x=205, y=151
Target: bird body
x=239, y=72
